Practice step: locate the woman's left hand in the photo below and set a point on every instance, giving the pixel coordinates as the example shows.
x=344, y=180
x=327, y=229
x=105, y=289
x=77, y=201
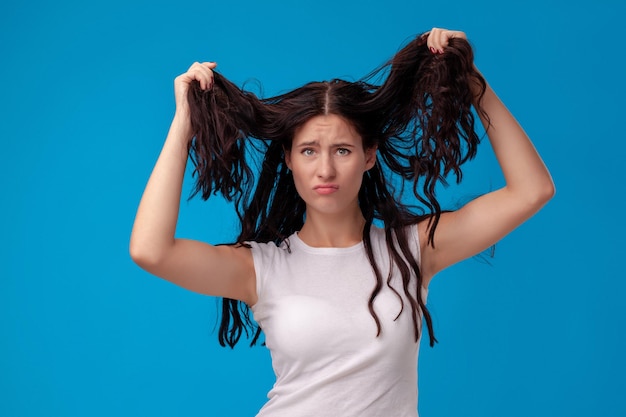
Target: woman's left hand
x=438, y=39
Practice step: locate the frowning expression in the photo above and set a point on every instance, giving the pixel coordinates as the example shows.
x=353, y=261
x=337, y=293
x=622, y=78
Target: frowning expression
x=328, y=161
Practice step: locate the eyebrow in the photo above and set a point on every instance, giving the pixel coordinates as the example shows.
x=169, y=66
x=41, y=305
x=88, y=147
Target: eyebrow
x=334, y=145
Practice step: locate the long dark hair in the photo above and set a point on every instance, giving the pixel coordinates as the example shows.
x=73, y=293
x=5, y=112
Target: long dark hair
x=419, y=117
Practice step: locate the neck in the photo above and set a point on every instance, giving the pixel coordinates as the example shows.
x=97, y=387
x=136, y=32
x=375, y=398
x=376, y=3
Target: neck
x=332, y=231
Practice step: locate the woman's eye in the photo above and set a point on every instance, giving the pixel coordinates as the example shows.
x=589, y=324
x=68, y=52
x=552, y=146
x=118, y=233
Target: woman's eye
x=343, y=151
x=307, y=152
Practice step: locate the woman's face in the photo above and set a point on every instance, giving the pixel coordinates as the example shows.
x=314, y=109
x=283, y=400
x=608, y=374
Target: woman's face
x=328, y=161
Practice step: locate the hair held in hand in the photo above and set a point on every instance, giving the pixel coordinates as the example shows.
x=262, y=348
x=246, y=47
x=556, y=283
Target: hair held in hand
x=416, y=109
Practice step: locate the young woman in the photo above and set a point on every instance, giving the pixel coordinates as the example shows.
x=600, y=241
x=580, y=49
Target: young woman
x=333, y=264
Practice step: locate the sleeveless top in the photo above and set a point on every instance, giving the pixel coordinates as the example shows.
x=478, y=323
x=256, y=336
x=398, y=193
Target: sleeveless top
x=313, y=309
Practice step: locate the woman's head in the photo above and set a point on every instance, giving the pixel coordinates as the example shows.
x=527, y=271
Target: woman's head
x=328, y=159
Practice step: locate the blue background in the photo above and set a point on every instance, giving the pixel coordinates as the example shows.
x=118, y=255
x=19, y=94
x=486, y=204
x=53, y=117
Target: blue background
x=87, y=96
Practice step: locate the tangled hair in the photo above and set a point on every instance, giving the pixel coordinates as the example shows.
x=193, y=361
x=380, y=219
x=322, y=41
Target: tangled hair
x=420, y=119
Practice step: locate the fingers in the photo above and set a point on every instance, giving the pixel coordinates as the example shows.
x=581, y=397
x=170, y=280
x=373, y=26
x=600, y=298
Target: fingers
x=201, y=72
x=438, y=39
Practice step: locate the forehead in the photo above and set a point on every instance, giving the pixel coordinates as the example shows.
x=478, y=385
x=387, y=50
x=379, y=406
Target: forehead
x=327, y=128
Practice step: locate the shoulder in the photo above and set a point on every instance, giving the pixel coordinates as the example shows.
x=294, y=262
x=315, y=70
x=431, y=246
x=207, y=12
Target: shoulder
x=267, y=249
x=409, y=235
x=264, y=255
x=422, y=231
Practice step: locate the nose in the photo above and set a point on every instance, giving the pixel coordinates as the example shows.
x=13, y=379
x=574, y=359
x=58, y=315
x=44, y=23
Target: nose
x=326, y=167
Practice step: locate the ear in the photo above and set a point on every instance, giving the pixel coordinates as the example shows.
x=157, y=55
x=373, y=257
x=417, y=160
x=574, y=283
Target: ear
x=370, y=157
x=287, y=153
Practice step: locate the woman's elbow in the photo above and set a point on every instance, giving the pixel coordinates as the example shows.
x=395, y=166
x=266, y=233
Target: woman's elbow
x=542, y=194
x=532, y=198
x=144, y=255
x=547, y=191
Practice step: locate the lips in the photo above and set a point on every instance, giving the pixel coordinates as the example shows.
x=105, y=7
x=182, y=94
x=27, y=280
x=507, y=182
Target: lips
x=325, y=189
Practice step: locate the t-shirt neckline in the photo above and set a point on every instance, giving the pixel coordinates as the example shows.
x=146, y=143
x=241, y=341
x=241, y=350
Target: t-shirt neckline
x=325, y=250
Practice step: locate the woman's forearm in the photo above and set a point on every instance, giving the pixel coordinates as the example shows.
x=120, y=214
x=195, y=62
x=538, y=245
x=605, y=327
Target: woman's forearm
x=155, y=223
x=524, y=171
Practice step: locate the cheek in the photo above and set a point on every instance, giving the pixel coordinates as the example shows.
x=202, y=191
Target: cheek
x=298, y=175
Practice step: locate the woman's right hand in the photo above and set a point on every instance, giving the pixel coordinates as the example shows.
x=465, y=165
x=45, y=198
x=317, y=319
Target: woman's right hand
x=201, y=72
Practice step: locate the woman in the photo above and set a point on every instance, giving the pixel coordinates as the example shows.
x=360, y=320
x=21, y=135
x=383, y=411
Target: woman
x=340, y=300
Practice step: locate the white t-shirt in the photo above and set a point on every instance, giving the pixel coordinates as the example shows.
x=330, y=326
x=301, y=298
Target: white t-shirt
x=313, y=308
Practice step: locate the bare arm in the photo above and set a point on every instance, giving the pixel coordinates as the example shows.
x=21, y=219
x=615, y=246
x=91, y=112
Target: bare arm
x=225, y=271
x=487, y=219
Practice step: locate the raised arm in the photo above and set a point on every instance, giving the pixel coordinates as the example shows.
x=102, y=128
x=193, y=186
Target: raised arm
x=482, y=222
x=224, y=271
